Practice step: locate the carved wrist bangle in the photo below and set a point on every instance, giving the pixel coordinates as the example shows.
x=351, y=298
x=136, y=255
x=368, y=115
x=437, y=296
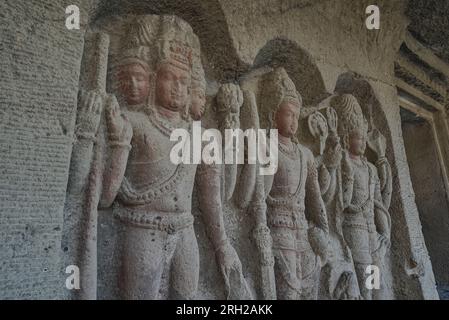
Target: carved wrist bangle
x=221, y=244
x=381, y=160
x=120, y=144
x=86, y=136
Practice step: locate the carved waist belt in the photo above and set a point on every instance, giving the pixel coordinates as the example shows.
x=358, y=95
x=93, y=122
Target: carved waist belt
x=290, y=204
x=359, y=222
x=287, y=219
x=128, y=194
x=360, y=216
x=168, y=222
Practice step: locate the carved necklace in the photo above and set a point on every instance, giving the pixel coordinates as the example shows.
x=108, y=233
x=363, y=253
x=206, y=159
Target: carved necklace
x=291, y=153
x=165, y=126
x=361, y=163
x=285, y=202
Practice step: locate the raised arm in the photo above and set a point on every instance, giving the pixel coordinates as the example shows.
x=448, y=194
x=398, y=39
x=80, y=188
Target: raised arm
x=382, y=217
x=377, y=142
x=386, y=180
x=229, y=101
x=90, y=105
x=313, y=200
x=119, y=140
x=316, y=211
x=331, y=160
x=327, y=170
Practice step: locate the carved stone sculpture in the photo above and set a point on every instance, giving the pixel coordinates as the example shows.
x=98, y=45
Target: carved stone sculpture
x=357, y=200
x=229, y=100
x=150, y=195
x=296, y=214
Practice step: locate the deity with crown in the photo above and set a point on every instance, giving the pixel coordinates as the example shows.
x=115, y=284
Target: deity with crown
x=152, y=197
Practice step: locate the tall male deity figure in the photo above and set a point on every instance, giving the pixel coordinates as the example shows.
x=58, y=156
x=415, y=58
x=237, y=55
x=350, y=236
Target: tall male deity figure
x=151, y=196
x=362, y=199
x=296, y=214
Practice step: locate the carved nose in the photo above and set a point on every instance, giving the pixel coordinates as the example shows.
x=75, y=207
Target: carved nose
x=177, y=86
x=134, y=82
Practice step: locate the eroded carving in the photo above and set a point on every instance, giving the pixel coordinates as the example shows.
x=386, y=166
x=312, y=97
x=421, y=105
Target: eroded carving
x=161, y=86
x=295, y=212
x=357, y=196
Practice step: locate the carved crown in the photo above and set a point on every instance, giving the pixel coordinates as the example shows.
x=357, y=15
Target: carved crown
x=177, y=42
x=349, y=113
x=277, y=87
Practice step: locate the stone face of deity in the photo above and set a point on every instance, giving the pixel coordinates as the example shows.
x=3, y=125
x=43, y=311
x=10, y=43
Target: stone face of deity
x=134, y=83
x=286, y=118
x=357, y=142
x=172, y=87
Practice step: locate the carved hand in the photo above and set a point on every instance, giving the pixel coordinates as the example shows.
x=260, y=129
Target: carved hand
x=332, y=120
x=228, y=261
x=332, y=153
x=383, y=244
x=346, y=164
x=377, y=143
x=89, y=112
x=119, y=128
x=229, y=98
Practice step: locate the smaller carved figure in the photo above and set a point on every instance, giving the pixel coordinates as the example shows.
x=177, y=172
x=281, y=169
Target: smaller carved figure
x=359, y=199
x=296, y=214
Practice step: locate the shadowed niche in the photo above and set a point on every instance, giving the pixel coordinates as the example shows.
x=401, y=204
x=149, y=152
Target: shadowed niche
x=207, y=19
x=299, y=65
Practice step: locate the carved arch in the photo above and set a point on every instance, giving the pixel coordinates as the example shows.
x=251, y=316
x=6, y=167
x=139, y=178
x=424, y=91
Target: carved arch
x=352, y=83
x=207, y=20
x=300, y=66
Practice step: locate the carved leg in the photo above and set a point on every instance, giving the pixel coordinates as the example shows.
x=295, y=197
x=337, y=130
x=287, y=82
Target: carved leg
x=285, y=263
x=184, y=273
x=143, y=261
x=287, y=283
x=310, y=274
x=358, y=241
x=361, y=278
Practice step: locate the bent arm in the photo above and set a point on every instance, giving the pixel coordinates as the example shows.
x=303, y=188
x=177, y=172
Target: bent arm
x=80, y=164
x=382, y=217
x=327, y=179
x=114, y=172
x=209, y=195
x=386, y=180
x=313, y=200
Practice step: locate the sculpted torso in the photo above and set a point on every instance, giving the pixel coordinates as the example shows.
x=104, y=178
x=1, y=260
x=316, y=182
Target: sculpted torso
x=149, y=166
x=288, y=177
x=361, y=180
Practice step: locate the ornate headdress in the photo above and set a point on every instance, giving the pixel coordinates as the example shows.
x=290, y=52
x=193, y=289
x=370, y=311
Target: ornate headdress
x=277, y=87
x=349, y=113
x=177, y=43
x=134, y=56
x=198, y=77
x=136, y=43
